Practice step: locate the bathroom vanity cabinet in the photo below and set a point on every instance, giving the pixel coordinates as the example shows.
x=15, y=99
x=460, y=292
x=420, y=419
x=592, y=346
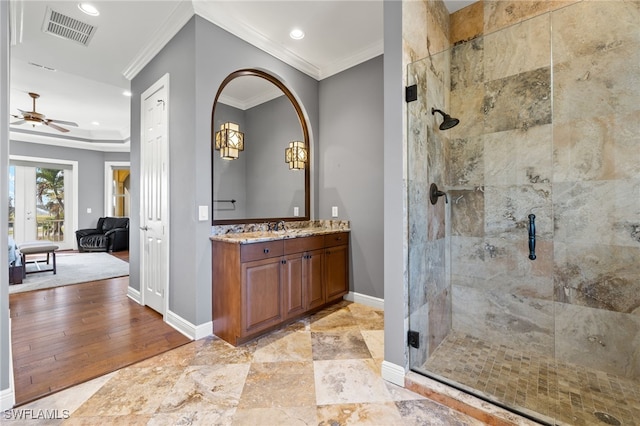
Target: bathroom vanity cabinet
x=258, y=286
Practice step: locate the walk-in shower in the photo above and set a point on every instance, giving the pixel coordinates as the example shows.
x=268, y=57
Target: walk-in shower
x=524, y=289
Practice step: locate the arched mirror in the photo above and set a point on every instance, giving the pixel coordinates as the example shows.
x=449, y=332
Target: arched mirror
x=260, y=151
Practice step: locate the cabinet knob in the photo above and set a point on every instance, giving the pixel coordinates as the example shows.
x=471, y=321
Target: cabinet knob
x=265, y=251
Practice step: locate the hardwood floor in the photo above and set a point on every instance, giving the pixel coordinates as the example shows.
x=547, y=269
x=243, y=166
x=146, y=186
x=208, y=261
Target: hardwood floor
x=122, y=255
x=67, y=335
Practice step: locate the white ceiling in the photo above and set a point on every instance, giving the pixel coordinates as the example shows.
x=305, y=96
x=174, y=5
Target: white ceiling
x=88, y=82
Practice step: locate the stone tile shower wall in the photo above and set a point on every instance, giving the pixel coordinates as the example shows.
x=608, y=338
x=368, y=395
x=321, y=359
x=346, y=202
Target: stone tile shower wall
x=429, y=286
x=596, y=199
x=547, y=94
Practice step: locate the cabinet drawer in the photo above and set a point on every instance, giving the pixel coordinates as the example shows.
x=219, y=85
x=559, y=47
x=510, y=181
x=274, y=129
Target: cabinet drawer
x=298, y=245
x=332, y=240
x=259, y=251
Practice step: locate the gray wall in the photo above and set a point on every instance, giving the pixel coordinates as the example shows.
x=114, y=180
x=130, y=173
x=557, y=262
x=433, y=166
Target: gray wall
x=178, y=59
x=200, y=56
x=229, y=176
x=272, y=189
x=90, y=174
x=351, y=166
x=394, y=218
x=5, y=342
x=259, y=179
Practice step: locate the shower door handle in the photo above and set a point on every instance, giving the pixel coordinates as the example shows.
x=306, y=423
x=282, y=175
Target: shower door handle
x=532, y=236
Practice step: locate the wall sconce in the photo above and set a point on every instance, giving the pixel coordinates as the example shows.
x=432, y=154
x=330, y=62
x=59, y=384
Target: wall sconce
x=296, y=155
x=229, y=141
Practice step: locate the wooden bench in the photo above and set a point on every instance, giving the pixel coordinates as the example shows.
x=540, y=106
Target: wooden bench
x=38, y=247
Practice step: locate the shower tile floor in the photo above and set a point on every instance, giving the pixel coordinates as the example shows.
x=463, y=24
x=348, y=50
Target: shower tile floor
x=568, y=393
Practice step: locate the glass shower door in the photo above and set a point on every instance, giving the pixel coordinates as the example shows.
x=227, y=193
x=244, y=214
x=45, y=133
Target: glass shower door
x=548, y=141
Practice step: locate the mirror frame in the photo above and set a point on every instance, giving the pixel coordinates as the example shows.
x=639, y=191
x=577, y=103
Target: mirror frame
x=305, y=132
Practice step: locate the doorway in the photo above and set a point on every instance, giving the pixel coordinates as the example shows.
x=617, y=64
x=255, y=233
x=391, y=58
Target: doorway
x=117, y=183
x=43, y=200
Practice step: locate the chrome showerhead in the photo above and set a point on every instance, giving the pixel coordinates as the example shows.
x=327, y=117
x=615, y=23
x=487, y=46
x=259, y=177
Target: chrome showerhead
x=448, y=121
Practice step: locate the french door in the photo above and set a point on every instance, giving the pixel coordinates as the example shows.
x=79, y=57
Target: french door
x=42, y=201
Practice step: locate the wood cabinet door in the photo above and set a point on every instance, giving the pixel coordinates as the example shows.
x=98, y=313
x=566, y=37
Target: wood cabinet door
x=293, y=285
x=313, y=270
x=336, y=268
x=261, y=294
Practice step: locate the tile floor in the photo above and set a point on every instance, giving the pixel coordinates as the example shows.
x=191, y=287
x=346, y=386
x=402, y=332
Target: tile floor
x=322, y=370
x=569, y=393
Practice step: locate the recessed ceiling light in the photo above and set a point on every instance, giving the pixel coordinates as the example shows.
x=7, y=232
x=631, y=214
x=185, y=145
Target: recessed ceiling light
x=127, y=93
x=95, y=123
x=88, y=9
x=296, y=34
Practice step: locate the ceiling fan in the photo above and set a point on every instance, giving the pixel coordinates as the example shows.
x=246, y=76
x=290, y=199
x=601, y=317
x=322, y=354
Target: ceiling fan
x=36, y=119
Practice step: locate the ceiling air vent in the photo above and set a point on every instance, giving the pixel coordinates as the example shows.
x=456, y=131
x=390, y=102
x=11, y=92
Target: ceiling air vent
x=67, y=27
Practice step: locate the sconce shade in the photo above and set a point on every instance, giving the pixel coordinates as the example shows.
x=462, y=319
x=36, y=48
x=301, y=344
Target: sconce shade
x=229, y=141
x=296, y=155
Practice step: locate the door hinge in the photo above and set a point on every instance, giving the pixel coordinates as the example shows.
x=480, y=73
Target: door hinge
x=413, y=339
x=411, y=93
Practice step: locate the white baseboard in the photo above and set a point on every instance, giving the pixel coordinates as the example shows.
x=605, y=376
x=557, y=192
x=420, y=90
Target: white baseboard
x=7, y=399
x=8, y=396
x=393, y=373
x=134, y=295
x=204, y=330
x=371, y=301
x=193, y=332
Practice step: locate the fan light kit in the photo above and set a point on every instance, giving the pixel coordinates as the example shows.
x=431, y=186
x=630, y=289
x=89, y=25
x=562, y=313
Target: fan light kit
x=36, y=119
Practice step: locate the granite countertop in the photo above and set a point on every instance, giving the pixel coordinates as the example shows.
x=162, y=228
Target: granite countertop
x=255, y=234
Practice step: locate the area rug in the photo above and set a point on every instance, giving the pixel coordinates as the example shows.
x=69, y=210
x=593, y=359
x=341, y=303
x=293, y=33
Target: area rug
x=72, y=268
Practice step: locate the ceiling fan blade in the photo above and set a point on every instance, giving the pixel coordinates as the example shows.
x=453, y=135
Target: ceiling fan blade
x=18, y=122
x=66, y=123
x=62, y=129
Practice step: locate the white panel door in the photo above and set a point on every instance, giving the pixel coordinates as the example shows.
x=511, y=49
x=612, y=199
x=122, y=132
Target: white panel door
x=154, y=224
x=25, y=225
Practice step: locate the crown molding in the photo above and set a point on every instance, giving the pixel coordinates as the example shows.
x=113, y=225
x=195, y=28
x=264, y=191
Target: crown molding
x=174, y=23
x=247, y=33
x=259, y=99
x=207, y=10
x=370, y=52
x=22, y=135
